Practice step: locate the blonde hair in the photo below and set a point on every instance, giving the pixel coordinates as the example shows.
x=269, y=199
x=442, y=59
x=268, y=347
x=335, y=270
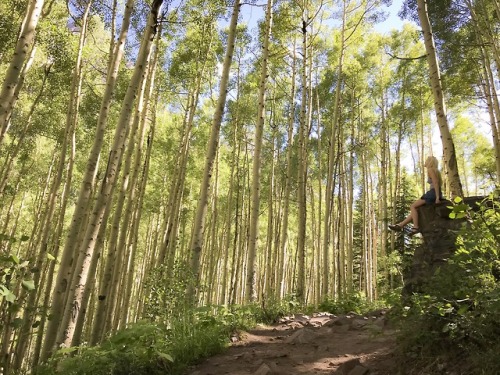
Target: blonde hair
x=431, y=162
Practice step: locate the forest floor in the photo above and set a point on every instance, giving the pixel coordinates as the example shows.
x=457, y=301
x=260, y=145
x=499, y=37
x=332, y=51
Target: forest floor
x=318, y=344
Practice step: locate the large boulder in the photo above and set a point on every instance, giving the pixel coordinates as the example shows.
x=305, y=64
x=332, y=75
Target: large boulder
x=439, y=234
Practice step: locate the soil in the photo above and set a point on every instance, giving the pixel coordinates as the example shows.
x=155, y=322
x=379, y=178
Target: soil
x=318, y=344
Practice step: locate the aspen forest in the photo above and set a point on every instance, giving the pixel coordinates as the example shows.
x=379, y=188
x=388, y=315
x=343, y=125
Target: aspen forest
x=176, y=169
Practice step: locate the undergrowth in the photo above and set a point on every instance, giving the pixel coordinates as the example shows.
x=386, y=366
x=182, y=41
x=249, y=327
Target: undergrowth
x=172, y=336
x=454, y=321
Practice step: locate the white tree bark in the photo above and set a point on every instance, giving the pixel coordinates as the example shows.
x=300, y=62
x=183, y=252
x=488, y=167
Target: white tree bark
x=250, y=290
x=11, y=81
x=439, y=104
x=213, y=144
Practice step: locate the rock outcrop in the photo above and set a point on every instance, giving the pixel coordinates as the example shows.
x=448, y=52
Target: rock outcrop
x=439, y=234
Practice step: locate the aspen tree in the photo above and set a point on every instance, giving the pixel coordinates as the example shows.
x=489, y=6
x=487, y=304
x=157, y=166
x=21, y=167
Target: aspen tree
x=233, y=213
x=320, y=204
x=112, y=268
x=99, y=216
x=269, y=270
x=66, y=269
x=67, y=145
x=12, y=155
x=11, y=81
x=302, y=157
x=488, y=85
x=169, y=245
x=105, y=192
x=489, y=90
x=439, y=103
x=280, y=282
x=250, y=290
x=199, y=220
x=332, y=160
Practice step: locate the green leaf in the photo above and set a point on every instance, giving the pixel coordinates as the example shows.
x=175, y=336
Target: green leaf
x=457, y=200
x=28, y=284
x=14, y=258
x=9, y=296
x=463, y=309
x=67, y=350
x=165, y=356
x=24, y=238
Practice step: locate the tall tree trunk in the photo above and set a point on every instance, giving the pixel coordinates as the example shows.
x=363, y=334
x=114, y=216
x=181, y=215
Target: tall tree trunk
x=199, y=220
x=331, y=162
x=113, y=267
x=105, y=193
x=250, y=292
x=24, y=44
x=66, y=267
x=302, y=161
x=288, y=181
x=11, y=157
x=439, y=104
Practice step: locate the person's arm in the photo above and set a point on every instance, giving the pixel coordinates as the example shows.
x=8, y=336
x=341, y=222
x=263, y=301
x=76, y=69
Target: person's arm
x=435, y=182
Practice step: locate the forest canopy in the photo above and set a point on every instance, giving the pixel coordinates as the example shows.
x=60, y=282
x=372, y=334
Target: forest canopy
x=235, y=161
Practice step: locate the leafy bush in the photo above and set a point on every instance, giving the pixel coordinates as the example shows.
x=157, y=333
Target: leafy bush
x=459, y=311
x=355, y=302
x=173, y=335
x=147, y=348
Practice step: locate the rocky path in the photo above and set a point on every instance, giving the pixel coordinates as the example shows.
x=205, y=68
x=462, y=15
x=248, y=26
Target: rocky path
x=321, y=344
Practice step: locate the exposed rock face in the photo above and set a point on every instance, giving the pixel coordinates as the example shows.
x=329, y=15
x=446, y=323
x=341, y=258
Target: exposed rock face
x=439, y=234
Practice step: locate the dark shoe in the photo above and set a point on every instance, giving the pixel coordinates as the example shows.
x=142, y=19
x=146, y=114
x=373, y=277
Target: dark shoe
x=413, y=231
x=395, y=227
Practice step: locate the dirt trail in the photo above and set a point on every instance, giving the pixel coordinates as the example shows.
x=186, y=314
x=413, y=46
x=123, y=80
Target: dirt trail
x=321, y=344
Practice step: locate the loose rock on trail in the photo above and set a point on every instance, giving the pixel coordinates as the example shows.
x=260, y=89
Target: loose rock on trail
x=321, y=344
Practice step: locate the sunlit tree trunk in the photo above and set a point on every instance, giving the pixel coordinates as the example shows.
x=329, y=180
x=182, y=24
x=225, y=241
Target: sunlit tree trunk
x=50, y=225
x=490, y=94
x=302, y=160
x=489, y=90
x=269, y=274
x=66, y=329
x=319, y=218
x=250, y=291
x=123, y=222
x=24, y=44
x=67, y=261
x=199, y=220
x=331, y=163
x=439, y=104
x=280, y=282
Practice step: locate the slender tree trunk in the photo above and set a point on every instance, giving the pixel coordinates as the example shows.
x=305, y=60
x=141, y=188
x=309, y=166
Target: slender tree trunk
x=493, y=111
x=331, y=163
x=199, y=220
x=288, y=180
x=105, y=193
x=66, y=269
x=126, y=201
x=302, y=163
x=439, y=104
x=250, y=291
x=24, y=44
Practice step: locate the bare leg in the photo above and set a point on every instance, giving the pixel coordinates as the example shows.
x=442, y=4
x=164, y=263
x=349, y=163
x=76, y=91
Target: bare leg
x=413, y=216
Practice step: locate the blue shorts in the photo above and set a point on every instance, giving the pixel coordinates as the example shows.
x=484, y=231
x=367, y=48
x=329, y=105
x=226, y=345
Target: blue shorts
x=430, y=196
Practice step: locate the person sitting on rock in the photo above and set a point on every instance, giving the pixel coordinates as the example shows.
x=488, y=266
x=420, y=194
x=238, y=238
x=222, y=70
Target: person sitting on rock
x=433, y=195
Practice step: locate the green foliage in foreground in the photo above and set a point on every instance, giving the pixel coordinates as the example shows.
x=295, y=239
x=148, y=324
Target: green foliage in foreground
x=457, y=316
x=155, y=348
x=173, y=335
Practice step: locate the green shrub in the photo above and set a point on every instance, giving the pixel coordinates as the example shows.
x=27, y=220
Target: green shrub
x=353, y=303
x=457, y=315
